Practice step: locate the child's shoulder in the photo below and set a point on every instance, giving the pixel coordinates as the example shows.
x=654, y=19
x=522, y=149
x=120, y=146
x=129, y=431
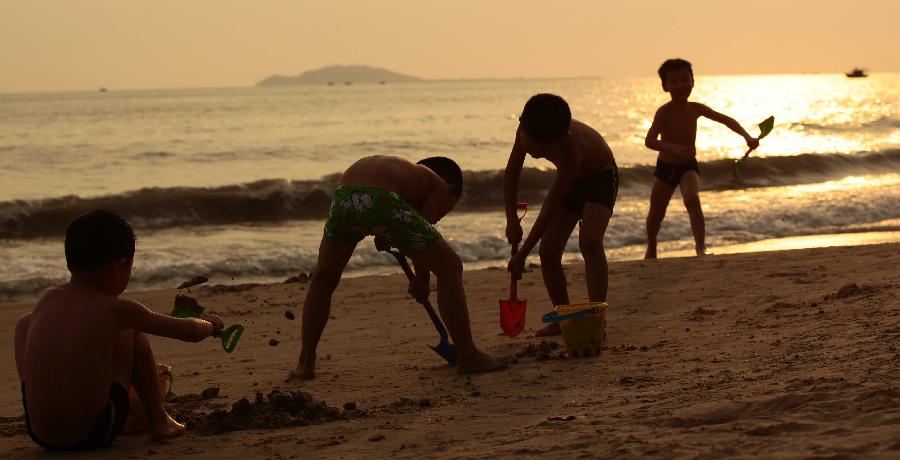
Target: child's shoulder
x=670, y=109
x=52, y=294
x=664, y=109
x=77, y=297
x=581, y=129
x=697, y=105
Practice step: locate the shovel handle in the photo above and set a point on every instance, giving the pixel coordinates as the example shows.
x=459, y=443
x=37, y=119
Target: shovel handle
x=230, y=336
x=404, y=264
x=513, y=290
x=410, y=275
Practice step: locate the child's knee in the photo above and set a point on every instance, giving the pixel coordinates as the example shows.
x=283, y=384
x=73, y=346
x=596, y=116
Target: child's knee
x=656, y=214
x=550, y=255
x=21, y=336
x=590, y=246
x=326, y=276
x=691, y=201
x=449, y=265
x=22, y=326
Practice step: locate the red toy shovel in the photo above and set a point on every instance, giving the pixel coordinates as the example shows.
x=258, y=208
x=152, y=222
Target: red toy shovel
x=512, y=310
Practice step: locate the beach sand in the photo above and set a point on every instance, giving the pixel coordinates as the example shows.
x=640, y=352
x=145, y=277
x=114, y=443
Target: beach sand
x=788, y=354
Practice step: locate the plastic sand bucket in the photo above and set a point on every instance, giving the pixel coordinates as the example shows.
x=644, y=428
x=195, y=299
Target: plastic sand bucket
x=137, y=419
x=583, y=327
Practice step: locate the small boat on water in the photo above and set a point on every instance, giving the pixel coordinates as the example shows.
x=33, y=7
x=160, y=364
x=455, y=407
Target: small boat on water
x=857, y=72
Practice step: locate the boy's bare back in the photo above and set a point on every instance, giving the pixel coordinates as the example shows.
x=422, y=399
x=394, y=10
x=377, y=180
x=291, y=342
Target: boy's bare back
x=591, y=150
x=413, y=182
x=68, y=367
x=69, y=332
x=416, y=184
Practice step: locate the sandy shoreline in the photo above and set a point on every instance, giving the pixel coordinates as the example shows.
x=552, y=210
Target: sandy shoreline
x=778, y=354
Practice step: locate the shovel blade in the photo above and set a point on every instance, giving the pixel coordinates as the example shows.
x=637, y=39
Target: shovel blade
x=447, y=351
x=512, y=316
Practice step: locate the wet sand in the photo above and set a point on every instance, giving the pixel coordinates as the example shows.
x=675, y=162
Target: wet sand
x=788, y=354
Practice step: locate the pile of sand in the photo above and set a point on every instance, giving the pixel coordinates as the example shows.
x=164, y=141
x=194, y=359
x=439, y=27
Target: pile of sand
x=275, y=410
x=12, y=426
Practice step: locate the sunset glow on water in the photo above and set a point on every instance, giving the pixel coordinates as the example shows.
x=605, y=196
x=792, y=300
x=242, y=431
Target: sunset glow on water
x=829, y=167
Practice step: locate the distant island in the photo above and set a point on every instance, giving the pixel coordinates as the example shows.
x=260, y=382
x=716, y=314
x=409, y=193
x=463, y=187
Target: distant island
x=340, y=75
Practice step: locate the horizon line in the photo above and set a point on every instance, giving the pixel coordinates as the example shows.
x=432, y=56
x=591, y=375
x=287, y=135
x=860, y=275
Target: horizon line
x=420, y=80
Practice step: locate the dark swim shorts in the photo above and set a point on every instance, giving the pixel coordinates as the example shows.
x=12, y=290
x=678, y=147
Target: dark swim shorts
x=671, y=173
x=107, y=428
x=358, y=211
x=601, y=188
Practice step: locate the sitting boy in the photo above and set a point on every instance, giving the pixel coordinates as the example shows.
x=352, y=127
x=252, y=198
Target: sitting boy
x=584, y=192
x=397, y=202
x=673, y=133
x=82, y=346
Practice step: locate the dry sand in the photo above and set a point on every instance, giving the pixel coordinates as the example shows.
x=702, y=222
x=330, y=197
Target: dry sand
x=774, y=355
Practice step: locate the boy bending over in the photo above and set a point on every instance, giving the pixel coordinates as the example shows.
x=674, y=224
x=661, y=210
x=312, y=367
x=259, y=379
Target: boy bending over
x=584, y=192
x=397, y=202
x=82, y=346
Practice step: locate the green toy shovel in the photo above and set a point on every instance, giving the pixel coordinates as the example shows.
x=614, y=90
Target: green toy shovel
x=764, y=129
x=187, y=307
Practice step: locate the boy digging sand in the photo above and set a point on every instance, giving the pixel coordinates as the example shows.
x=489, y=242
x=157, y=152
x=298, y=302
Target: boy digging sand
x=677, y=165
x=82, y=346
x=584, y=191
x=398, y=202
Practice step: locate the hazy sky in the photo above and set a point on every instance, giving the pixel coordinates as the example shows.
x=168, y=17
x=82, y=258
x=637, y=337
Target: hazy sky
x=48, y=45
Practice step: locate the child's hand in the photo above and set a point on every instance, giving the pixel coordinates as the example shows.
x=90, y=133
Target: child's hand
x=517, y=264
x=419, y=288
x=214, y=319
x=513, y=231
x=753, y=143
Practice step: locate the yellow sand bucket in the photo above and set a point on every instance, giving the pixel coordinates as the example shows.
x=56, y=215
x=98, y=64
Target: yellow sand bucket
x=583, y=327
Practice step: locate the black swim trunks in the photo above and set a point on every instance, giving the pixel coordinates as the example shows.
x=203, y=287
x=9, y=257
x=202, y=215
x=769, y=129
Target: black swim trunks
x=107, y=428
x=601, y=188
x=671, y=173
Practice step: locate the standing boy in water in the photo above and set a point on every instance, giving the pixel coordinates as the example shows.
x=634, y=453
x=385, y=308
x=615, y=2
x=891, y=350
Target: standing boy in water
x=398, y=202
x=83, y=346
x=677, y=165
x=584, y=191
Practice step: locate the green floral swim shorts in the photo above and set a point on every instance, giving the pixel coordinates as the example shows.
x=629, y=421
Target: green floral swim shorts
x=358, y=211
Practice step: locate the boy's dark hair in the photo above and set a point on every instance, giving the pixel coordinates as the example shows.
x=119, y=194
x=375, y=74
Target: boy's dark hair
x=96, y=239
x=447, y=169
x=673, y=64
x=546, y=117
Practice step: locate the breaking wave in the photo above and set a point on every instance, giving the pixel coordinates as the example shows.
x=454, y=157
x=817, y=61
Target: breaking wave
x=278, y=200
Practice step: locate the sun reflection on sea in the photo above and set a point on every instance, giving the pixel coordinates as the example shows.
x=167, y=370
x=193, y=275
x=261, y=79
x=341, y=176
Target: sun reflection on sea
x=813, y=113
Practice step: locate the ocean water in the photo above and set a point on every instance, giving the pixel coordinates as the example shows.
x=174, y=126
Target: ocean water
x=234, y=182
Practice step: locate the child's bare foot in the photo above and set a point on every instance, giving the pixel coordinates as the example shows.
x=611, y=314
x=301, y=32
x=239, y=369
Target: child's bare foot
x=550, y=329
x=479, y=362
x=300, y=373
x=168, y=429
x=651, y=253
x=306, y=369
